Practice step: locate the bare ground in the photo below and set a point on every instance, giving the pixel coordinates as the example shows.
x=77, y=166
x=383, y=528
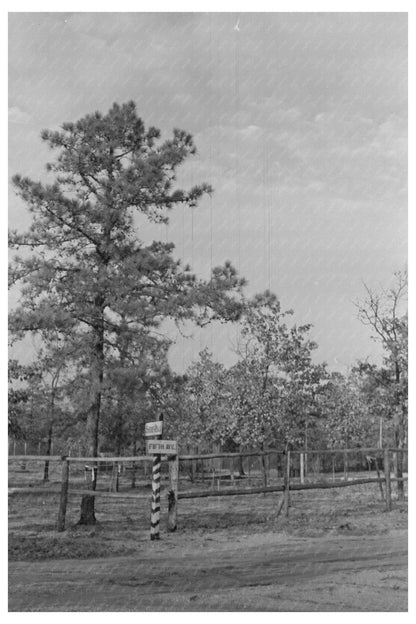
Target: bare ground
x=339, y=550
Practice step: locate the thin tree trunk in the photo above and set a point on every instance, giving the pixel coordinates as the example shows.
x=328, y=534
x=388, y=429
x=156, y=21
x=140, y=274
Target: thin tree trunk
x=398, y=457
x=345, y=466
x=133, y=468
x=380, y=485
x=118, y=442
x=263, y=467
x=241, y=472
x=240, y=465
x=286, y=482
x=398, y=439
x=48, y=452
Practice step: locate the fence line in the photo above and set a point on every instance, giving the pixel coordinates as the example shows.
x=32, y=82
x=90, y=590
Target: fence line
x=174, y=495
x=320, y=485
x=81, y=460
x=203, y=494
x=22, y=458
x=340, y=450
x=138, y=458
x=282, y=452
x=104, y=493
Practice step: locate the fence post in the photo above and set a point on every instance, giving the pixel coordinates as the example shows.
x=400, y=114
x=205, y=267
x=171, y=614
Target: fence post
x=173, y=462
x=115, y=477
x=263, y=466
x=193, y=465
x=302, y=468
x=387, y=475
x=380, y=485
x=286, y=494
x=399, y=474
x=64, y=495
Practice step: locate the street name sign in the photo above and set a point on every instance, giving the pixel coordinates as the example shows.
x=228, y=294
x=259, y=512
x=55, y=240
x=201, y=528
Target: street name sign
x=162, y=447
x=153, y=428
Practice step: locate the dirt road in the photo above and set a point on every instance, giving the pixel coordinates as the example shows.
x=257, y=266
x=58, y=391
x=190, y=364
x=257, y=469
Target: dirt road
x=253, y=573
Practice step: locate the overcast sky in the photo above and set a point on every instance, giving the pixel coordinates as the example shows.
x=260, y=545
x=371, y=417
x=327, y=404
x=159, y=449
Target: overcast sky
x=300, y=121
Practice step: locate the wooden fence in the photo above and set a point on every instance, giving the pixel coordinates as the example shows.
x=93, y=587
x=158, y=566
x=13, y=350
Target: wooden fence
x=174, y=495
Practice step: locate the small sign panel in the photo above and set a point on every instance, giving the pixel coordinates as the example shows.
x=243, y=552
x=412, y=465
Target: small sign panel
x=162, y=447
x=153, y=428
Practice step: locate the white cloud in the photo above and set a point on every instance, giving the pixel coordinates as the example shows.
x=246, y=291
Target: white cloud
x=250, y=131
x=18, y=116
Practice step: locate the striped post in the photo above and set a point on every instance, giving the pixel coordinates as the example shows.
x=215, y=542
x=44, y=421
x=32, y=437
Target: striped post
x=155, y=510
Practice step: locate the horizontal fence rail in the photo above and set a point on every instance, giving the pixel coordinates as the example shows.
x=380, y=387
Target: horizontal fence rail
x=104, y=493
x=284, y=472
x=81, y=460
x=138, y=458
x=322, y=485
x=24, y=458
x=319, y=485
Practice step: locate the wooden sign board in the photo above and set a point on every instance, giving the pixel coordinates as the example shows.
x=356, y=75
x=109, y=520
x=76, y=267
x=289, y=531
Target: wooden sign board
x=161, y=447
x=153, y=428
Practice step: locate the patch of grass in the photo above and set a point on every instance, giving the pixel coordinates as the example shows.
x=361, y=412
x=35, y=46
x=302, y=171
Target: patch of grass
x=123, y=525
x=40, y=547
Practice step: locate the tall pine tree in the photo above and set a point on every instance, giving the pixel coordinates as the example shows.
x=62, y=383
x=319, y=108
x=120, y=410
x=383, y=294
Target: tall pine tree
x=90, y=275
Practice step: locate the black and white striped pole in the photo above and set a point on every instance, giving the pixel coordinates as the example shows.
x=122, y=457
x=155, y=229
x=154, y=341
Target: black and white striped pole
x=155, y=509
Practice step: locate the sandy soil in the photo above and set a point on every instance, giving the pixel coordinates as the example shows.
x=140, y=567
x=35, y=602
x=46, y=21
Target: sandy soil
x=339, y=550
x=254, y=573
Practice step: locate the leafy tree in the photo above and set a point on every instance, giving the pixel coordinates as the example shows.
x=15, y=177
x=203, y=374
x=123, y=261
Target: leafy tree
x=18, y=397
x=43, y=409
x=344, y=423
x=205, y=396
x=133, y=375
x=373, y=383
x=385, y=312
x=275, y=383
x=91, y=277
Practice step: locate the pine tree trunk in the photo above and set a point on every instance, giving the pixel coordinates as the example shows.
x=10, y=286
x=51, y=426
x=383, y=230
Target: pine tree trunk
x=88, y=502
x=120, y=413
x=88, y=508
